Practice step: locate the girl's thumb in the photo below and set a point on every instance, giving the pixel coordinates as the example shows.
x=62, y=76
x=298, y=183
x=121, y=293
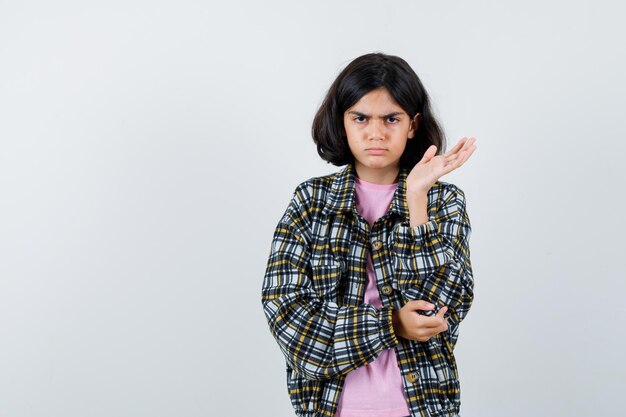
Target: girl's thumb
x=430, y=153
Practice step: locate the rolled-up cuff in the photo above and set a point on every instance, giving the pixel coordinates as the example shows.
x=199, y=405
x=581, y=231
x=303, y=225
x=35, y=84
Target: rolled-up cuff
x=387, y=334
x=416, y=235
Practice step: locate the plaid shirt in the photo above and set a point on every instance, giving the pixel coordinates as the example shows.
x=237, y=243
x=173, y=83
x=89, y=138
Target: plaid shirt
x=315, y=280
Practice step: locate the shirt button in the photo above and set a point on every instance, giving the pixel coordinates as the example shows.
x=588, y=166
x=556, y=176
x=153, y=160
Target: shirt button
x=377, y=245
x=412, y=377
x=386, y=290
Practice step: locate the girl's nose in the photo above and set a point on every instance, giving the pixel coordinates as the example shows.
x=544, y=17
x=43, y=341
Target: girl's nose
x=376, y=129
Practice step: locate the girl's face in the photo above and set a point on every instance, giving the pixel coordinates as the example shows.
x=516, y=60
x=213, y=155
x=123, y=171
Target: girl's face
x=378, y=129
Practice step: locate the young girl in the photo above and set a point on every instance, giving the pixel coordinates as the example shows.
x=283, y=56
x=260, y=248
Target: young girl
x=369, y=276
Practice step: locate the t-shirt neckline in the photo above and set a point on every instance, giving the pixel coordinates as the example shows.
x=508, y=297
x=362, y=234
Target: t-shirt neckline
x=373, y=186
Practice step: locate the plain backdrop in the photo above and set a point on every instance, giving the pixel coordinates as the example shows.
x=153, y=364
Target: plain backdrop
x=149, y=148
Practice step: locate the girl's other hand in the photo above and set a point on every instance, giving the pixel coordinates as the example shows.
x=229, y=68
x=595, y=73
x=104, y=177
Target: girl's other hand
x=430, y=168
x=409, y=324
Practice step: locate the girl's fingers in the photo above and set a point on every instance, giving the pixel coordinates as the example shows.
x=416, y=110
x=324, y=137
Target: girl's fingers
x=433, y=322
x=452, y=157
x=464, y=143
x=459, y=159
x=458, y=146
x=468, y=153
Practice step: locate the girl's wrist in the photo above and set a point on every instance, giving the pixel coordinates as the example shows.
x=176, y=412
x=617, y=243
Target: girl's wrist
x=417, y=203
x=418, y=209
x=416, y=193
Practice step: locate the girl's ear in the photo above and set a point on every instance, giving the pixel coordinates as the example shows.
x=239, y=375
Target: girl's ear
x=414, y=125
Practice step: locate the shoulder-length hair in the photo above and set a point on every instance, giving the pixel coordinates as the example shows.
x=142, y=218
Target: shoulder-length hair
x=359, y=77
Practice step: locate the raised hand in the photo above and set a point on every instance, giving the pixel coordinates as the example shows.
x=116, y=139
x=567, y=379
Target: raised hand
x=430, y=168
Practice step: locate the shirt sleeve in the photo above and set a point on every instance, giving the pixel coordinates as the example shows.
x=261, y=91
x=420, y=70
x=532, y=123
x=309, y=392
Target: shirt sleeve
x=433, y=259
x=319, y=338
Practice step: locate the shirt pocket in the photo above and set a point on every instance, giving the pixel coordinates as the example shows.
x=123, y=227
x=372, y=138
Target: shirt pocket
x=327, y=278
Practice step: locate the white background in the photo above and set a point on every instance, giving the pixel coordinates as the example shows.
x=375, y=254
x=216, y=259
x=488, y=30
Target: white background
x=148, y=149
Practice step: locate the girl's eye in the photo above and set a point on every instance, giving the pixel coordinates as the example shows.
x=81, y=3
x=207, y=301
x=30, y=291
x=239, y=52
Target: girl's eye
x=362, y=119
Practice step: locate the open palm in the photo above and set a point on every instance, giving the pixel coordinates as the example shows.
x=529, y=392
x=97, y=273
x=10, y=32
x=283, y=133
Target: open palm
x=430, y=168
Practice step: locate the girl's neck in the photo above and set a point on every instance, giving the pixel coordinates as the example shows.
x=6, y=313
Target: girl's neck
x=387, y=175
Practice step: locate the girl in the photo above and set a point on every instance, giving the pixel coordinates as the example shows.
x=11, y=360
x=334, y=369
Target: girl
x=369, y=276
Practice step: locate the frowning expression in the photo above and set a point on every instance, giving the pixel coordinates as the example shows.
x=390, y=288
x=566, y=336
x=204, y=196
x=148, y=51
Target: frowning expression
x=377, y=129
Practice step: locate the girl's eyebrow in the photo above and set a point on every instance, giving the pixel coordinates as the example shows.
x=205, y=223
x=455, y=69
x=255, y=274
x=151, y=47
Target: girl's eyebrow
x=395, y=113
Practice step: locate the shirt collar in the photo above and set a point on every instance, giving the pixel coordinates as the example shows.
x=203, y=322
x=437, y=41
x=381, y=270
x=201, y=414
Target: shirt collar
x=341, y=197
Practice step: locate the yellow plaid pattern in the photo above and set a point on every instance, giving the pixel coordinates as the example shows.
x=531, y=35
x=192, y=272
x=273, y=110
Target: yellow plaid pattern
x=315, y=281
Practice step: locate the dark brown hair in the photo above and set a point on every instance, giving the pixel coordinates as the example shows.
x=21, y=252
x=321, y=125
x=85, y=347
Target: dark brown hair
x=358, y=78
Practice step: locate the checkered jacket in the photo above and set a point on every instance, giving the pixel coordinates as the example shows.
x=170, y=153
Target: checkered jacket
x=314, y=286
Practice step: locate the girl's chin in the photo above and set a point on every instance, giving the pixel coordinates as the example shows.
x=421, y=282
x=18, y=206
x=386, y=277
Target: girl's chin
x=379, y=164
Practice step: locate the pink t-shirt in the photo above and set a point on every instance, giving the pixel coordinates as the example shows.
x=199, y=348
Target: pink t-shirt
x=376, y=389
